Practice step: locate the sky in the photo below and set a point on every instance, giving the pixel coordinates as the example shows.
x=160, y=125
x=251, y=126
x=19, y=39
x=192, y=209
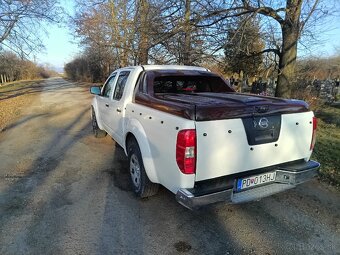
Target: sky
x=61, y=45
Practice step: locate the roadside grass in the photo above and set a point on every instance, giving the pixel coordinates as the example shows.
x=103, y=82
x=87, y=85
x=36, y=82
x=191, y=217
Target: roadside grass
x=14, y=98
x=327, y=147
x=15, y=85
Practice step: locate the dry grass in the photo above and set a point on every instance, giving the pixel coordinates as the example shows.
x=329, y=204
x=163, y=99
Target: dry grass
x=14, y=98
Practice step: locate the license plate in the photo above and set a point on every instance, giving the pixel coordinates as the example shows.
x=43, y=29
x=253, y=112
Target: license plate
x=255, y=180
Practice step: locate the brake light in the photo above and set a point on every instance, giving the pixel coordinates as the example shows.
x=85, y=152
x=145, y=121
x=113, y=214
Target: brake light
x=186, y=151
x=315, y=124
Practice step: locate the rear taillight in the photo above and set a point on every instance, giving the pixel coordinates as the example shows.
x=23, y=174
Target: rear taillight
x=315, y=124
x=186, y=151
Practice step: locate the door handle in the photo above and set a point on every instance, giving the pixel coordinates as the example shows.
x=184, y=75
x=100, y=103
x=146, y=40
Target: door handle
x=107, y=105
x=119, y=110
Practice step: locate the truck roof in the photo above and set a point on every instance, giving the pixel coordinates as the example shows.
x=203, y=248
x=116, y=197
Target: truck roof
x=168, y=67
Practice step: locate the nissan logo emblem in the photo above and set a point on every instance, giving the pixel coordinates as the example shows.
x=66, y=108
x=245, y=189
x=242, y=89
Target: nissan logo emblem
x=263, y=123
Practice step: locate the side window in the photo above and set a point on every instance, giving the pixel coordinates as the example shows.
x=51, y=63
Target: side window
x=108, y=86
x=122, y=78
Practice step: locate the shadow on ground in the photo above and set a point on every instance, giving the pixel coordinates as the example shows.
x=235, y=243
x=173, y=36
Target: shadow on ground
x=76, y=198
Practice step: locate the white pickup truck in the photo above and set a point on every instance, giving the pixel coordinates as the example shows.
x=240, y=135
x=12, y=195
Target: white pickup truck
x=184, y=128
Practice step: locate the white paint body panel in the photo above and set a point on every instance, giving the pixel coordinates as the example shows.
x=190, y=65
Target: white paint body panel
x=222, y=153
x=160, y=138
x=219, y=153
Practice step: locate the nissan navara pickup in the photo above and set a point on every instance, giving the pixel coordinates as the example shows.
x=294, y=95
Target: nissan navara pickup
x=184, y=128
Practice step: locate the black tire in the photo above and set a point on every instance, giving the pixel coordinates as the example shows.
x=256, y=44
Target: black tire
x=98, y=133
x=141, y=184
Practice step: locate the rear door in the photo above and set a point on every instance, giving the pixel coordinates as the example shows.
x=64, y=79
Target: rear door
x=223, y=147
x=116, y=105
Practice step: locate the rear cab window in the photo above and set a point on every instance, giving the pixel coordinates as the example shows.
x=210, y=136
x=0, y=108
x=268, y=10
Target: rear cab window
x=189, y=84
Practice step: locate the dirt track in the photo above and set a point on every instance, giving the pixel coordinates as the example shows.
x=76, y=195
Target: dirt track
x=64, y=192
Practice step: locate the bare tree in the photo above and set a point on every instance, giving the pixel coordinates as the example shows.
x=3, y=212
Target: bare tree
x=195, y=31
x=291, y=19
x=12, y=68
x=20, y=22
x=242, y=46
x=143, y=13
x=187, y=33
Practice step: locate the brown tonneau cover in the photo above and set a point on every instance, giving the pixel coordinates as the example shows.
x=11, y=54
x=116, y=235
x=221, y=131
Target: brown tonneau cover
x=206, y=106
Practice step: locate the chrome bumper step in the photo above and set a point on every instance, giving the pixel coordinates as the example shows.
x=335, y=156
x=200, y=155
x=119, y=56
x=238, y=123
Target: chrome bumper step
x=259, y=192
x=286, y=178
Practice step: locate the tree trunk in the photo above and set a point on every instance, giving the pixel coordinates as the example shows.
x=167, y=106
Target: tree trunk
x=290, y=36
x=187, y=35
x=143, y=43
x=125, y=38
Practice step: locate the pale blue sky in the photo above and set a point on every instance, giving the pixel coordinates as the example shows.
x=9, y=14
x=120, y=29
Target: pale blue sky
x=62, y=47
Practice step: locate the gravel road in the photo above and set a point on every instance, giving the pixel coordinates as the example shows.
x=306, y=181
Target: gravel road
x=64, y=192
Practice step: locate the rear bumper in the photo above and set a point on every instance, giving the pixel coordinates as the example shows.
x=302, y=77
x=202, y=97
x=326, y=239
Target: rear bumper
x=287, y=176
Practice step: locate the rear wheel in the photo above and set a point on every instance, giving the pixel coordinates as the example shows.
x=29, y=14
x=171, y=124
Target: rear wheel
x=141, y=184
x=98, y=133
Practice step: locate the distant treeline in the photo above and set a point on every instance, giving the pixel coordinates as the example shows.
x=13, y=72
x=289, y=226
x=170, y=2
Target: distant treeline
x=319, y=68
x=12, y=68
x=87, y=68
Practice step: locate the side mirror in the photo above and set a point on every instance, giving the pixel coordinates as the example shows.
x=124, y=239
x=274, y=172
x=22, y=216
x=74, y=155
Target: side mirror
x=95, y=90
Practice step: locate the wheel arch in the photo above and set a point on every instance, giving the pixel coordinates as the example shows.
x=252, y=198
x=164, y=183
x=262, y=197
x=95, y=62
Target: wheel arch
x=94, y=106
x=136, y=131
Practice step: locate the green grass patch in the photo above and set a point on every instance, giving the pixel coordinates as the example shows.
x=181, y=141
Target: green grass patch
x=327, y=148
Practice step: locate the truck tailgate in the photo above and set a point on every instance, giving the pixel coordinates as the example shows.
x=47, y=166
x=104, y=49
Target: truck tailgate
x=223, y=147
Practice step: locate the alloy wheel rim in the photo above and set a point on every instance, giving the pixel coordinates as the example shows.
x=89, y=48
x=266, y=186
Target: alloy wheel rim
x=135, y=170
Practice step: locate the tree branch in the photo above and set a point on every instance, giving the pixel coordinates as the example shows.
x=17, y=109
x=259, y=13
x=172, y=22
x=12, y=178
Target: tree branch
x=276, y=51
x=8, y=29
x=303, y=23
x=264, y=10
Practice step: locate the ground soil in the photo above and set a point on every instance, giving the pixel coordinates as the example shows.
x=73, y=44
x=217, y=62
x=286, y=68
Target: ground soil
x=62, y=191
